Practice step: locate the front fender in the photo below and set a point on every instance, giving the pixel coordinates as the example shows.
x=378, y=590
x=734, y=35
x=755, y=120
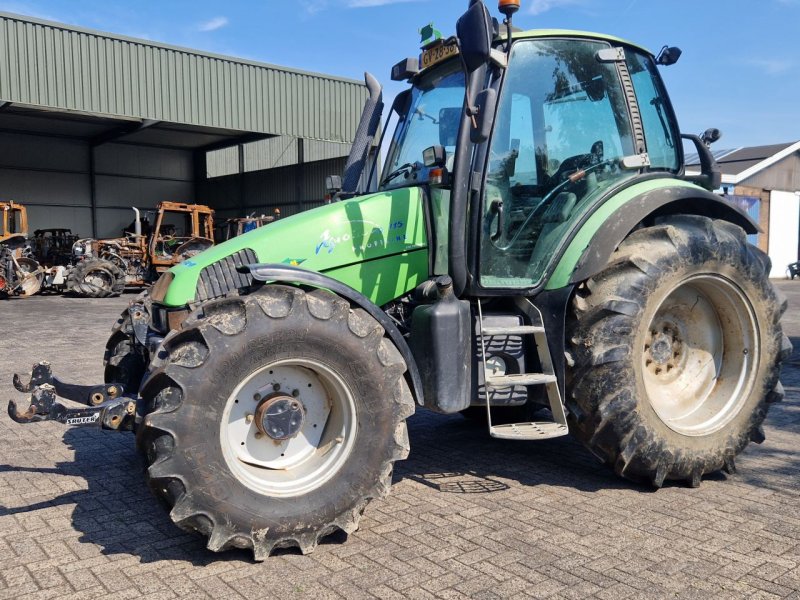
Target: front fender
x=287, y=274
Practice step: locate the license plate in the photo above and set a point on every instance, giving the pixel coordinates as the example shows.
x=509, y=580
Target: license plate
x=438, y=54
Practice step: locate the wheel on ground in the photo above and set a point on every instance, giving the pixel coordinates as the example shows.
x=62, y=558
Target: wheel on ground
x=676, y=349
x=125, y=361
x=96, y=278
x=31, y=277
x=274, y=418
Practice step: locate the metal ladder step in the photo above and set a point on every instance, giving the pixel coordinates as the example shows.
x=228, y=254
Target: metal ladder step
x=529, y=431
x=518, y=330
x=505, y=381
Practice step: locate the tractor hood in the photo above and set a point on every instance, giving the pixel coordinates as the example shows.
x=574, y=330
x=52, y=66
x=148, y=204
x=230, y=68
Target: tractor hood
x=376, y=244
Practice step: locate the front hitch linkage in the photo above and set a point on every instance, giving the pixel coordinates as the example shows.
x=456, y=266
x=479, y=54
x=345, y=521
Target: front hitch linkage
x=104, y=406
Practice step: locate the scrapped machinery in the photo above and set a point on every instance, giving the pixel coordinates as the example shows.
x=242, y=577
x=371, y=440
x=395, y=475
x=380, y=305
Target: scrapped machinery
x=106, y=267
x=52, y=248
x=230, y=228
x=534, y=246
x=20, y=273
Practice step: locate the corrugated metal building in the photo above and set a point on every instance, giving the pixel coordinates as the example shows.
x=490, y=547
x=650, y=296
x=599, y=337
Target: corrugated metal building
x=92, y=123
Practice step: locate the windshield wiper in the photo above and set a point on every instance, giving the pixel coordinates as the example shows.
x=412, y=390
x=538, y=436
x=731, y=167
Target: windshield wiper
x=405, y=169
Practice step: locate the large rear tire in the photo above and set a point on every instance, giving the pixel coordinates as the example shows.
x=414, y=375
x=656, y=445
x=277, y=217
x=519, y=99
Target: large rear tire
x=219, y=454
x=96, y=278
x=676, y=349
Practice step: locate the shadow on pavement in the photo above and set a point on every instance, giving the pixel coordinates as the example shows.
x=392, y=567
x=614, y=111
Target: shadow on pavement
x=449, y=454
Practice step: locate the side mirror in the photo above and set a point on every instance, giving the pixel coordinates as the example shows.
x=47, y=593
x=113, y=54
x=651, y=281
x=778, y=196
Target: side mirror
x=669, y=55
x=485, y=103
x=474, y=32
x=711, y=135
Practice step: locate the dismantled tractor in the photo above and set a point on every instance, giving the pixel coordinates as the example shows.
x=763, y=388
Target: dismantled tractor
x=230, y=228
x=104, y=268
x=534, y=248
x=52, y=248
x=20, y=273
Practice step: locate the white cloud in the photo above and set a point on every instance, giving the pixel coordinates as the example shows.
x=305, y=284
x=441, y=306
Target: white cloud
x=541, y=6
x=213, y=24
x=772, y=66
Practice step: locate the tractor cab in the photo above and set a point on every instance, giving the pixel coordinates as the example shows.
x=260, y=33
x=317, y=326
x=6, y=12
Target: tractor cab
x=14, y=221
x=550, y=124
x=180, y=230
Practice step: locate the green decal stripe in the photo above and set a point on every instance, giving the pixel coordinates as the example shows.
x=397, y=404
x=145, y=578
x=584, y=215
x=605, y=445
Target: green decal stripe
x=581, y=241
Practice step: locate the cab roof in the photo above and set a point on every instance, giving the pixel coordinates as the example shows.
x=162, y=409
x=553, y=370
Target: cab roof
x=550, y=33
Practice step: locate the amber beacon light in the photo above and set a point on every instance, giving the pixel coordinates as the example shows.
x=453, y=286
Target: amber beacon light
x=508, y=7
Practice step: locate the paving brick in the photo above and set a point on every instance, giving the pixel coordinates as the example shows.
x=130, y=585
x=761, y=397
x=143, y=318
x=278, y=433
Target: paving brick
x=468, y=517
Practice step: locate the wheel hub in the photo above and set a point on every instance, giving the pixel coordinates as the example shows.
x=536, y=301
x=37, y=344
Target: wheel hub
x=280, y=416
x=661, y=350
x=698, y=369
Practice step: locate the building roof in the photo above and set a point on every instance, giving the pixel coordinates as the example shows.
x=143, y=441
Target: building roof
x=51, y=66
x=741, y=163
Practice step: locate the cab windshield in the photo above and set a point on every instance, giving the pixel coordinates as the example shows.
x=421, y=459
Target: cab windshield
x=432, y=118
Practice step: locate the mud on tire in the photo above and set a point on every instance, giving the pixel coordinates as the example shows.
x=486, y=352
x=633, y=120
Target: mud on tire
x=96, y=278
x=199, y=378
x=626, y=351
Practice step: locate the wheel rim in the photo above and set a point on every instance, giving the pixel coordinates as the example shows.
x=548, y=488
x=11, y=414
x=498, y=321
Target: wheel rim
x=99, y=279
x=31, y=281
x=318, y=443
x=700, y=356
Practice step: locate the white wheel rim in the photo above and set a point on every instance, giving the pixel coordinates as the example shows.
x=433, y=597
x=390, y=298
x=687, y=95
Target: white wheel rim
x=700, y=355
x=306, y=460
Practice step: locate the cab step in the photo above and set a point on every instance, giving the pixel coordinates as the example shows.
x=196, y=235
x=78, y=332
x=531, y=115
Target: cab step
x=525, y=431
x=518, y=330
x=505, y=381
x=529, y=431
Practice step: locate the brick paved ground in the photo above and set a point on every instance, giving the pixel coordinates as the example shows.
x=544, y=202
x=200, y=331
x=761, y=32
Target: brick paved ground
x=468, y=516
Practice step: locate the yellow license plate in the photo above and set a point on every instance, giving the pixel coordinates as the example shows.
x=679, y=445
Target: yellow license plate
x=438, y=54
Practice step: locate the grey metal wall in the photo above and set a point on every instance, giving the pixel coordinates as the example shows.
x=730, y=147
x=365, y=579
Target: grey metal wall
x=65, y=67
x=50, y=176
x=291, y=189
x=279, y=151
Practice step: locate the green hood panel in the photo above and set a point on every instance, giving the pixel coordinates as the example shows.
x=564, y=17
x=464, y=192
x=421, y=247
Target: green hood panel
x=376, y=244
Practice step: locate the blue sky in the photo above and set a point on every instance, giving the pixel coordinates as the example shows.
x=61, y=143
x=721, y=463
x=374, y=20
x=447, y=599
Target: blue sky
x=740, y=70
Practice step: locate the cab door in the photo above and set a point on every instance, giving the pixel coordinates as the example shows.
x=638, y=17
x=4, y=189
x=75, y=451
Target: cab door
x=561, y=131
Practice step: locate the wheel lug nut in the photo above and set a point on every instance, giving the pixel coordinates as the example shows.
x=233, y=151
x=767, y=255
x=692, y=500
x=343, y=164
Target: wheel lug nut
x=258, y=435
x=295, y=393
x=248, y=418
x=257, y=397
x=276, y=386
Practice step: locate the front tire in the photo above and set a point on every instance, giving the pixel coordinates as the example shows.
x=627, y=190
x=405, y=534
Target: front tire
x=326, y=367
x=677, y=347
x=124, y=360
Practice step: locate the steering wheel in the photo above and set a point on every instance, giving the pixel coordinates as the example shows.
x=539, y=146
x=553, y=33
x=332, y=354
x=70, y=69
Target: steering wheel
x=577, y=176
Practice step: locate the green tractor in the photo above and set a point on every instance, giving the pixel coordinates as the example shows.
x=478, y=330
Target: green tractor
x=534, y=253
